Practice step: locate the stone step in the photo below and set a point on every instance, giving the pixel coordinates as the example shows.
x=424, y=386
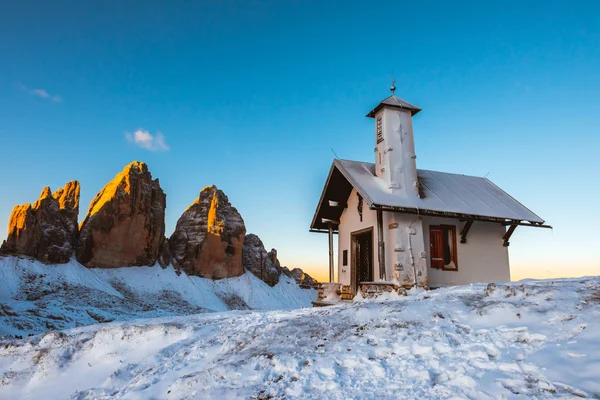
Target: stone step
x=373, y=290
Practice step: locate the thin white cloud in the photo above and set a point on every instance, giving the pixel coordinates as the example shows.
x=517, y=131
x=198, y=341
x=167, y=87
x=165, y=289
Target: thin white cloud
x=146, y=140
x=42, y=93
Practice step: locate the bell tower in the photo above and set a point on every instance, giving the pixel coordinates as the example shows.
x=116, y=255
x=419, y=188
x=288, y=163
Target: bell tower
x=395, y=159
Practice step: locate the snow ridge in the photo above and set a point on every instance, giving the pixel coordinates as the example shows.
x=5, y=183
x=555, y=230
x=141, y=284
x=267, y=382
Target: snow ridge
x=36, y=297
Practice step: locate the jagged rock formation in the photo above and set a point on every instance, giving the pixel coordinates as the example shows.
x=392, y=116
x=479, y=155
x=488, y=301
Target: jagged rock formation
x=125, y=224
x=46, y=229
x=273, y=258
x=262, y=264
x=68, y=203
x=164, y=253
x=209, y=236
x=304, y=280
x=267, y=267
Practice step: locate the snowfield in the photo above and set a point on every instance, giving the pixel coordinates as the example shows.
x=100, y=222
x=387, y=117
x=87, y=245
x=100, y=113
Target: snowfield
x=531, y=339
x=35, y=297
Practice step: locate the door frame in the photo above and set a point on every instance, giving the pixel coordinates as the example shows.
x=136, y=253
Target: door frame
x=353, y=255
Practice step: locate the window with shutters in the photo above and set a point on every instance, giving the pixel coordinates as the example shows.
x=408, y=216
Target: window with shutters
x=380, y=129
x=442, y=243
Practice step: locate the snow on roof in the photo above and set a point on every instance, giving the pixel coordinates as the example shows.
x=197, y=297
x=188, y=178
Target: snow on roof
x=441, y=192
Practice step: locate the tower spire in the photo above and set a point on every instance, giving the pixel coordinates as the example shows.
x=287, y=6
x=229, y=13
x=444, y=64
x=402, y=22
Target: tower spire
x=393, y=87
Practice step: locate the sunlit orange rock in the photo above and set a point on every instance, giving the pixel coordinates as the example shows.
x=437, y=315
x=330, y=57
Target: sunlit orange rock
x=209, y=237
x=125, y=224
x=46, y=229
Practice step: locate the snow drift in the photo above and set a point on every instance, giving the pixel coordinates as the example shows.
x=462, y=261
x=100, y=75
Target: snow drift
x=36, y=297
x=535, y=339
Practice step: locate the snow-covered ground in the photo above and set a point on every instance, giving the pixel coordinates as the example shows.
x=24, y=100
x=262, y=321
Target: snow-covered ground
x=35, y=297
x=532, y=339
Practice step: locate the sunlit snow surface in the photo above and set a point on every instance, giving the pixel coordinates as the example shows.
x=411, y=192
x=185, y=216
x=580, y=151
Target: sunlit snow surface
x=540, y=340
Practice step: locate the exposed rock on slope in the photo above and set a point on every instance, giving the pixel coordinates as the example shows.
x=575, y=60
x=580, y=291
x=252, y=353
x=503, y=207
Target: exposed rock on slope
x=46, y=229
x=266, y=266
x=262, y=264
x=125, y=224
x=35, y=298
x=68, y=202
x=164, y=253
x=209, y=236
x=304, y=280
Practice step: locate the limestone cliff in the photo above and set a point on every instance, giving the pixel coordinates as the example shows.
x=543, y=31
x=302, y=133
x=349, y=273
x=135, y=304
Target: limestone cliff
x=209, y=236
x=262, y=264
x=125, y=224
x=46, y=229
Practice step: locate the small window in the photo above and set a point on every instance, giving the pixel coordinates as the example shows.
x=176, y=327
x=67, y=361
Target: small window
x=345, y=258
x=380, y=129
x=442, y=241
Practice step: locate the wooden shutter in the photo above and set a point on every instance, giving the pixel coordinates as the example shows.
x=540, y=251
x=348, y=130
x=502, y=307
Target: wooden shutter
x=436, y=244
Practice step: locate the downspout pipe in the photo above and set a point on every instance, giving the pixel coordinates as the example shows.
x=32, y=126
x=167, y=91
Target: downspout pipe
x=410, y=252
x=381, y=245
x=331, y=274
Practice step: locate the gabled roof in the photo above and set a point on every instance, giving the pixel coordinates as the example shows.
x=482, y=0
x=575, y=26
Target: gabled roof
x=394, y=102
x=444, y=194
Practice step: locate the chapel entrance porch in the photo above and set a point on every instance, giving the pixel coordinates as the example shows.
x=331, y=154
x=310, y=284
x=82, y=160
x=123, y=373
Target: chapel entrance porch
x=361, y=256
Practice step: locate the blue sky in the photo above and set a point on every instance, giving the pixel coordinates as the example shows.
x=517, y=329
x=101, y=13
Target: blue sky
x=252, y=96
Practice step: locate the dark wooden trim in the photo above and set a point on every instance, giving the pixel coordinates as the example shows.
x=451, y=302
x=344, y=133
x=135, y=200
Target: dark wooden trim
x=465, y=230
x=508, y=234
x=460, y=216
x=335, y=232
x=527, y=224
x=363, y=230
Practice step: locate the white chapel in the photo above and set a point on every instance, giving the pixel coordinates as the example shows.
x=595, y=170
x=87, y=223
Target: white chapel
x=399, y=226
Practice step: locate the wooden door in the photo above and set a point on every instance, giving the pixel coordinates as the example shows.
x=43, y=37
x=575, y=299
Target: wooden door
x=362, y=257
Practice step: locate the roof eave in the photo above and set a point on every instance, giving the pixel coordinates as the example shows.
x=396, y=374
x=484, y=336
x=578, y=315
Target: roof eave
x=354, y=184
x=314, y=220
x=373, y=112
x=448, y=214
x=337, y=165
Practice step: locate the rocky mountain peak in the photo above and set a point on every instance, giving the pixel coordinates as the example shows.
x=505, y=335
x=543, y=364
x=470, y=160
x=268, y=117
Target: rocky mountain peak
x=125, y=223
x=209, y=236
x=68, y=196
x=68, y=203
x=46, y=193
x=46, y=229
x=259, y=262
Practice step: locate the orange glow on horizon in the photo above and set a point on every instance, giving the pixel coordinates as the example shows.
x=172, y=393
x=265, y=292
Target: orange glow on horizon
x=517, y=271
